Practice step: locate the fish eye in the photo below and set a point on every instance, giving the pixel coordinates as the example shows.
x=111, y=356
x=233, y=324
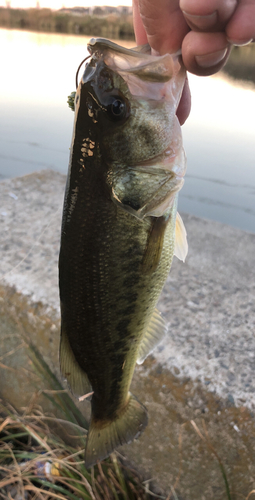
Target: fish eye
x=117, y=108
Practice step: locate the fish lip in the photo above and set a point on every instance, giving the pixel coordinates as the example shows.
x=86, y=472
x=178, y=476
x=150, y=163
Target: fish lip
x=136, y=51
x=166, y=155
x=164, y=161
x=102, y=43
x=170, y=64
x=138, y=65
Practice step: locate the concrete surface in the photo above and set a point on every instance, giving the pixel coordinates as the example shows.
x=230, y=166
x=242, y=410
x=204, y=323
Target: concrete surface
x=204, y=369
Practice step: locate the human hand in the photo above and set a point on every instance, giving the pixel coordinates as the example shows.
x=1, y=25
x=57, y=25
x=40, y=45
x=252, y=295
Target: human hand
x=204, y=31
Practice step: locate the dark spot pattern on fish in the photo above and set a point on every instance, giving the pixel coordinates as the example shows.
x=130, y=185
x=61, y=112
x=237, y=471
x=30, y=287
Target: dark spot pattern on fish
x=130, y=296
x=123, y=325
x=131, y=203
x=130, y=309
x=145, y=134
x=130, y=280
x=119, y=344
x=132, y=253
x=107, y=299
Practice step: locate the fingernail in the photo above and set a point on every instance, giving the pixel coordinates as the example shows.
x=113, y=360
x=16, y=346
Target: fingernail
x=212, y=59
x=201, y=22
x=240, y=43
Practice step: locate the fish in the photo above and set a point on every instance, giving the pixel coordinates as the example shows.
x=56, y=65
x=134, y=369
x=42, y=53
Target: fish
x=120, y=231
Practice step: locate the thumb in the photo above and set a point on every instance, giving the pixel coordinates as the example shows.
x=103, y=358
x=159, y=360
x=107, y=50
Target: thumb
x=163, y=24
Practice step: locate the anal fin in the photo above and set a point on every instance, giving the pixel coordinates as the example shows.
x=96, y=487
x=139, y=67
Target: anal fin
x=76, y=378
x=155, y=332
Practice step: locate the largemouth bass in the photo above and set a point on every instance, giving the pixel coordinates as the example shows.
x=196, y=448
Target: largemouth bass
x=119, y=231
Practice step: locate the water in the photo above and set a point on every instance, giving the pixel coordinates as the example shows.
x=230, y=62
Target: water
x=38, y=73
x=219, y=139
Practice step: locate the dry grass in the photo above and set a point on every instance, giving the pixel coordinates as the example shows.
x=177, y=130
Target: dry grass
x=205, y=438
x=37, y=464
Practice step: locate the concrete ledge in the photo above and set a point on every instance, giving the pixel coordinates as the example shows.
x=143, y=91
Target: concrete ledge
x=204, y=369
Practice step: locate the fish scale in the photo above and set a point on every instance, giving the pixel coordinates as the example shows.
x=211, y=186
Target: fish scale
x=115, y=253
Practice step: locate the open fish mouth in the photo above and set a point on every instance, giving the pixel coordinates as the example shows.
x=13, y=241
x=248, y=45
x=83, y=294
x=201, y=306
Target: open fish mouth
x=152, y=81
x=140, y=69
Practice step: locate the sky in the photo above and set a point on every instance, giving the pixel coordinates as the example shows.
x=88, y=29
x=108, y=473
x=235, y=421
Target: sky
x=57, y=4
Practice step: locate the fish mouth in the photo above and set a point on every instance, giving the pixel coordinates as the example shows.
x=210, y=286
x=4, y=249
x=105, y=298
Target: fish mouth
x=172, y=160
x=141, y=69
x=102, y=43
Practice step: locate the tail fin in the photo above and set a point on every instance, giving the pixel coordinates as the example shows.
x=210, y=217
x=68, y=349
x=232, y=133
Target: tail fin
x=104, y=437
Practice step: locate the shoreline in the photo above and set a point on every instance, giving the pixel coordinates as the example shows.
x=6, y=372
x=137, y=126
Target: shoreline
x=113, y=25
x=240, y=66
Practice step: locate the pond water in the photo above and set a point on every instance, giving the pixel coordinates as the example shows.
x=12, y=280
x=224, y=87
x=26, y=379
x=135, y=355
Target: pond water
x=38, y=73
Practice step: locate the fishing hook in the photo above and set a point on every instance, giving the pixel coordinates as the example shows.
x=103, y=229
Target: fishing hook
x=77, y=72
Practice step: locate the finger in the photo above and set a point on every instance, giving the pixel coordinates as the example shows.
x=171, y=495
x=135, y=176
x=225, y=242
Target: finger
x=205, y=53
x=183, y=110
x=164, y=24
x=211, y=15
x=241, y=27
x=140, y=33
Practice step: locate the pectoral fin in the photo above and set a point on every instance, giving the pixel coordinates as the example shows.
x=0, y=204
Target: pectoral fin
x=71, y=370
x=154, y=244
x=181, y=244
x=154, y=334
